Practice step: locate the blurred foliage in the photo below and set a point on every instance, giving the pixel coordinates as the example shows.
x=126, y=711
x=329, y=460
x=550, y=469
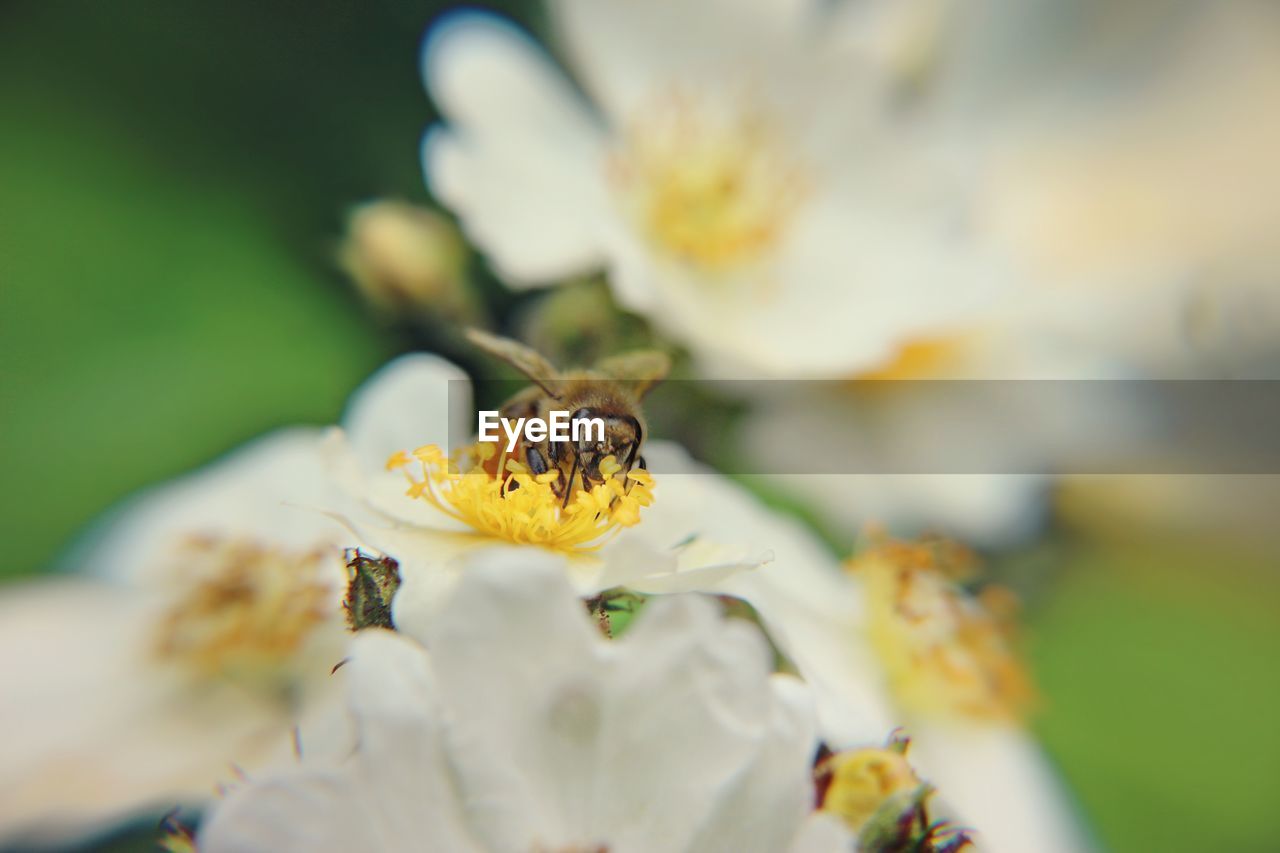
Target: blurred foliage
x=1159, y=663
x=174, y=178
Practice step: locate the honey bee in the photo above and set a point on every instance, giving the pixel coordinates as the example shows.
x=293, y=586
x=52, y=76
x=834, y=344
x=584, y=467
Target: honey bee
x=611, y=391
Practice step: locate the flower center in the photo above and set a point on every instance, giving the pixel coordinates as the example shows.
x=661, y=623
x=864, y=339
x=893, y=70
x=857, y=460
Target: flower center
x=249, y=610
x=945, y=652
x=710, y=188
x=507, y=501
x=925, y=358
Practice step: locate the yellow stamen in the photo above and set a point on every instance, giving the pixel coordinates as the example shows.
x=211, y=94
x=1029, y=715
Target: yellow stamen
x=944, y=652
x=923, y=358
x=518, y=506
x=248, y=611
x=714, y=189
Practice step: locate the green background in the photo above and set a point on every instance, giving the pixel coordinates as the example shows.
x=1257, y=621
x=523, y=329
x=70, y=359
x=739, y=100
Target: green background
x=173, y=178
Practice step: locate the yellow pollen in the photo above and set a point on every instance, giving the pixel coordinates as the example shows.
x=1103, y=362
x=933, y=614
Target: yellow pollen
x=863, y=780
x=714, y=190
x=924, y=358
x=945, y=653
x=249, y=610
x=517, y=506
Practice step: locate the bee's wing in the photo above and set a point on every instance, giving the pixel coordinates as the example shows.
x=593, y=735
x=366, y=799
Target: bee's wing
x=641, y=369
x=524, y=359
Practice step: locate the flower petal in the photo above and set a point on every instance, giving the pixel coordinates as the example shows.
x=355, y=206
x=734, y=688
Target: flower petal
x=146, y=742
x=521, y=162
x=700, y=530
x=996, y=780
x=762, y=807
x=414, y=400
x=391, y=796
x=576, y=740
x=626, y=51
x=822, y=833
x=691, y=712
x=515, y=750
x=270, y=489
x=809, y=607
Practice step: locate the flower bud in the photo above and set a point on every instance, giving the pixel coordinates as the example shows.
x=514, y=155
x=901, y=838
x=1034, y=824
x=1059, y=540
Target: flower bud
x=405, y=257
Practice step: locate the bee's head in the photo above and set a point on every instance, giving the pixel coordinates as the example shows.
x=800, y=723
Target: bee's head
x=598, y=435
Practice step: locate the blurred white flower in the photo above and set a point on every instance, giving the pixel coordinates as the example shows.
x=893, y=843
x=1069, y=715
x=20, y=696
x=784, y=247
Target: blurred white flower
x=200, y=633
x=836, y=448
x=969, y=460
x=1165, y=210
x=893, y=190
x=935, y=444
x=515, y=726
x=813, y=612
x=668, y=547
x=750, y=176
x=803, y=188
x=996, y=510
x=896, y=644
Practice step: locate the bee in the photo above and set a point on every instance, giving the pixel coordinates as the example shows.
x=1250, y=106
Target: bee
x=611, y=391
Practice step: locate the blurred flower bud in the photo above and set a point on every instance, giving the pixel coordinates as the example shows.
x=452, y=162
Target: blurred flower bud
x=405, y=257
x=580, y=323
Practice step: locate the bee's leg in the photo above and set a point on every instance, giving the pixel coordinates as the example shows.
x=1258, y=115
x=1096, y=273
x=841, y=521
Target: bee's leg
x=568, y=487
x=634, y=459
x=632, y=452
x=537, y=464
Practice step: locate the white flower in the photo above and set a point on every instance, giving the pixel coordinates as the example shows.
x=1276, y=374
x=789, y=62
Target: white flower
x=813, y=613
x=517, y=727
x=987, y=509
x=806, y=188
x=841, y=448
x=747, y=174
x=201, y=631
x=411, y=403
x=896, y=646
x=1157, y=235
x=971, y=457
